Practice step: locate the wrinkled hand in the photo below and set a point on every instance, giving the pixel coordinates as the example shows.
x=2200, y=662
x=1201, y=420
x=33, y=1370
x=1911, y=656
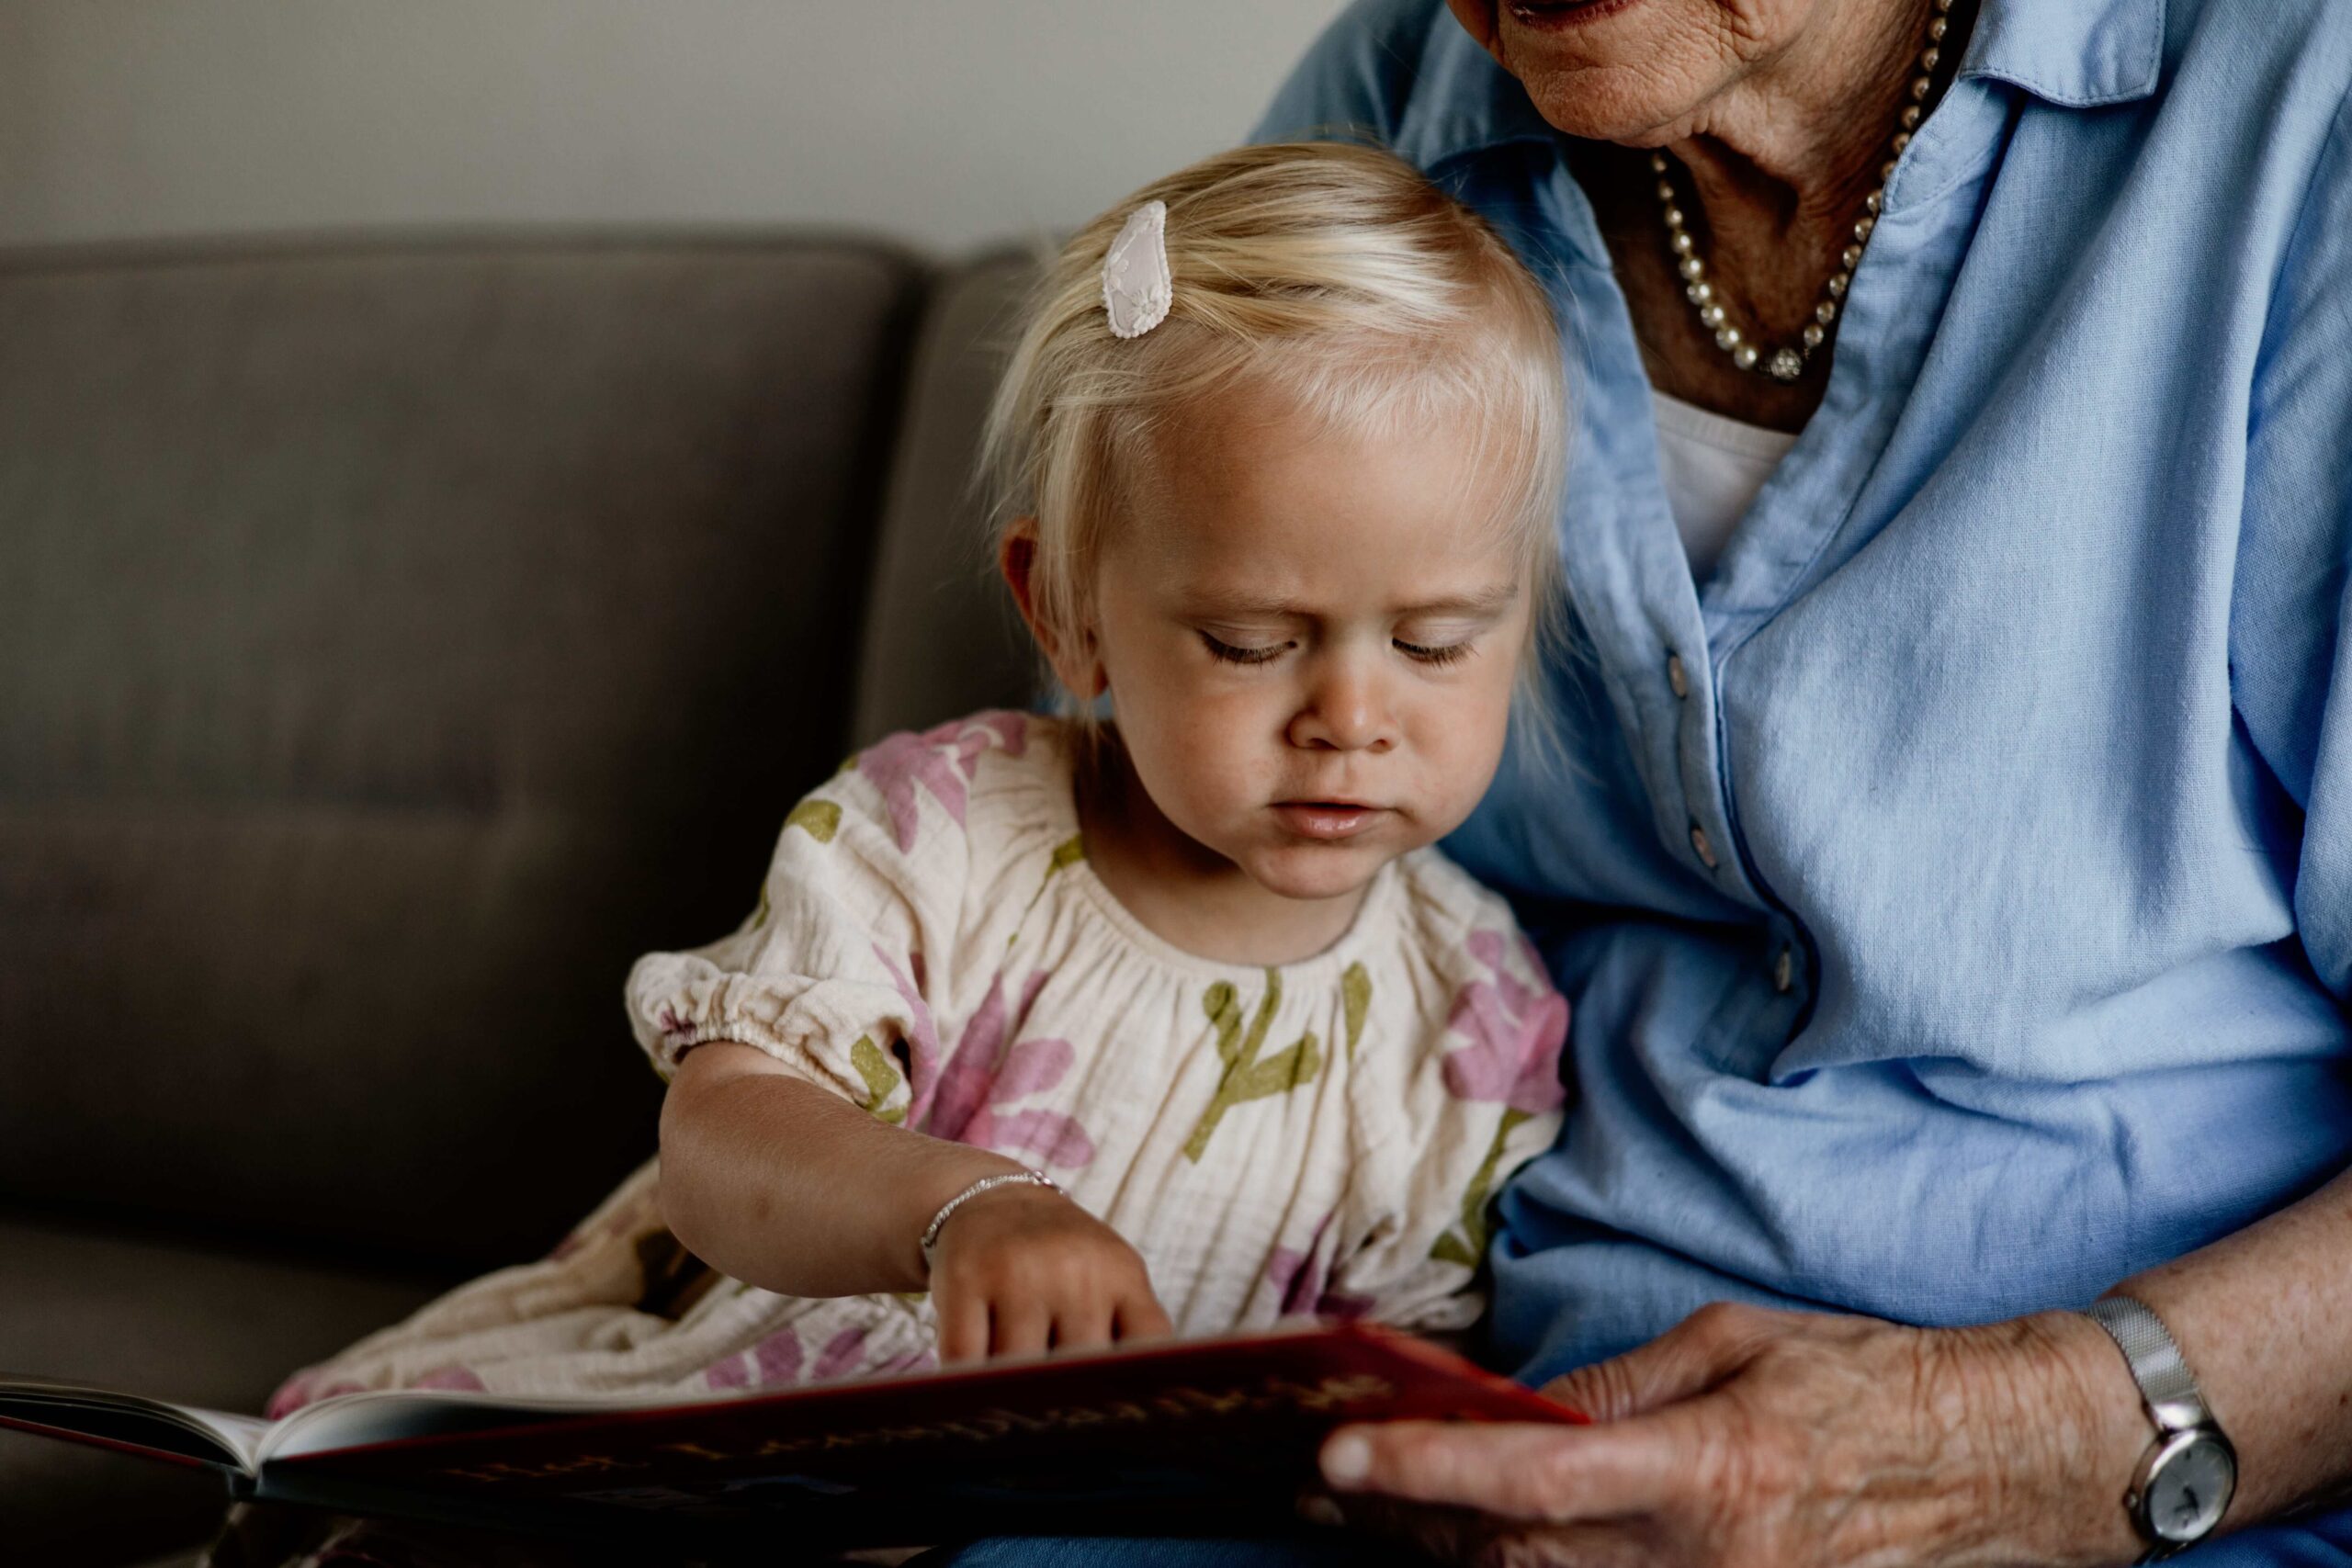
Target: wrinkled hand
x=1744, y=1438
x=1020, y=1269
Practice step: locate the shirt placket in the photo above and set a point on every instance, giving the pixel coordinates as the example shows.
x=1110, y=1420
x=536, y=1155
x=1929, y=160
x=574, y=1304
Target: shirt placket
x=1668, y=649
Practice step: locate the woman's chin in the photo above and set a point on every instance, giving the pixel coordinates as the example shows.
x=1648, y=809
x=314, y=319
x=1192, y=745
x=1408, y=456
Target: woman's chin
x=1616, y=80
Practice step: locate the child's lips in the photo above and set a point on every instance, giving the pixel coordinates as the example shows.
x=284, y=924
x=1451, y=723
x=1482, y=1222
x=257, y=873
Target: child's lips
x=1328, y=820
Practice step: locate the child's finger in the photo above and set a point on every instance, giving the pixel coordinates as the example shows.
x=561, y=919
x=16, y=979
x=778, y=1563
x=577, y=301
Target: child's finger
x=1018, y=1326
x=1083, y=1327
x=963, y=1325
x=1141, y=1317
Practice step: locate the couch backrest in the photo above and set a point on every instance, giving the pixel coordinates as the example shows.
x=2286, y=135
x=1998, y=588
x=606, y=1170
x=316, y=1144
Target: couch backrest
x=940, y=634
x=395, y=640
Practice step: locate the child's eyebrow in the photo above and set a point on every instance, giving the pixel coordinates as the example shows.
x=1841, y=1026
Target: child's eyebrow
x=1485, y=603
x=1488, y=601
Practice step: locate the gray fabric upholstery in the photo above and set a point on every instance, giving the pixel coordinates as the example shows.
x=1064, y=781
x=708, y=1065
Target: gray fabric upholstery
x=395, y=640
x=941, y=635
x=177, y=1319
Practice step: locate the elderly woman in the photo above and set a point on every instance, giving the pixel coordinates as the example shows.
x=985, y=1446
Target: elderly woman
x=1955, y=883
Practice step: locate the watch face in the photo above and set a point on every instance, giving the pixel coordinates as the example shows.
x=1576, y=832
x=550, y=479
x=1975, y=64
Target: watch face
x=2190, y=1486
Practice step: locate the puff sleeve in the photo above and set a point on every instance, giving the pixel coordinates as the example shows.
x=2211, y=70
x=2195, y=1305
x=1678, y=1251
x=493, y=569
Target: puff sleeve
x=860, y=907
x=1439, y=1128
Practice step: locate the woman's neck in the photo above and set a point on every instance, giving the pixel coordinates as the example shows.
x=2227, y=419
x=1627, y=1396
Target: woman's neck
x=1773, y=170
x=1790, y=148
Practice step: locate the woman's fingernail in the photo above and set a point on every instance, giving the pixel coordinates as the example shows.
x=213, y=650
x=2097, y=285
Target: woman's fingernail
x=1317, y=1509
x=1346, y=1460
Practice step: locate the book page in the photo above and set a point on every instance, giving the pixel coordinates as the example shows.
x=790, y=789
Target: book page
x=363, y=1420
x=126, y=1420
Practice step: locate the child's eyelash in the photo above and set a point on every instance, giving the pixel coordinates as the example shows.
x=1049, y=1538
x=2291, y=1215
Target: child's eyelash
x=1453, y=653
x=1233, y=655
x=1450, y=653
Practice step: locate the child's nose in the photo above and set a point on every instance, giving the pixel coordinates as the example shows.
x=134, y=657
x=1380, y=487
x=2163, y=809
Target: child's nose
x=1346, y=711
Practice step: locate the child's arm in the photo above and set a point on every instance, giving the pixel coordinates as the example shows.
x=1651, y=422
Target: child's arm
x=785, y=1185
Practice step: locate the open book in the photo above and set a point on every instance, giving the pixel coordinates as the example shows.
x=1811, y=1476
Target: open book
x=1197, y=1436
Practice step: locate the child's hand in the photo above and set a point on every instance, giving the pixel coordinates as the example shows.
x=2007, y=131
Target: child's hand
x=1021, y=1270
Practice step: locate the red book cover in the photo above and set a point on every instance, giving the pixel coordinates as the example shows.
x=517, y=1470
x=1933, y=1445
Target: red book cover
x=1202, y=1436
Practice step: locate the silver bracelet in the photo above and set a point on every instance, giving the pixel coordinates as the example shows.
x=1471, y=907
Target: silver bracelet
x=938, y=1221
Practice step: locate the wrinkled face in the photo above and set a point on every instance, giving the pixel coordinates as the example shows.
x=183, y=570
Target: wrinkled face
x=1309, y=641
x=1639, y=71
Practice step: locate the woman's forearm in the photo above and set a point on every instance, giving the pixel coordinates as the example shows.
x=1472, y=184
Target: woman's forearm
x=784, y=1185
x=2262, y=1319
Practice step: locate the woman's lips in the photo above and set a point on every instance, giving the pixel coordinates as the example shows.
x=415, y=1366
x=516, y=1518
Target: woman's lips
x=1328, y=818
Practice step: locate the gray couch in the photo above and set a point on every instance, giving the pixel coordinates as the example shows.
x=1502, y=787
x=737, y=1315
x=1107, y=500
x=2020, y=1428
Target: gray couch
x=396, y=636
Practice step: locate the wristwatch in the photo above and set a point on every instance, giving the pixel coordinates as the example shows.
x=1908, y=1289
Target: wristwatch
x=2185, y=1479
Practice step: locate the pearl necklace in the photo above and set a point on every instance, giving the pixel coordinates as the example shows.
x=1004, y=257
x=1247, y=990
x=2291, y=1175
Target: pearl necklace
x=1788, y=362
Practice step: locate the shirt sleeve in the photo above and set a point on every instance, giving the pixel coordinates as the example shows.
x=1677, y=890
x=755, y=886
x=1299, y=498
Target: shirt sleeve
x=1353, y=80
x=859, y=911
x=1443, y=1126
x=2290, y=661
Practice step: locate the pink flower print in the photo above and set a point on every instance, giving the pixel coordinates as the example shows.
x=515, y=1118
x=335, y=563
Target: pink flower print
x=1304, y=1277
x=923, y=1035
x=985, y=1076
x=299, y=1391
x=460, y=1379
x=776, y=1361
x=1515, y=1032
x=941, y=761
x=839, y=1356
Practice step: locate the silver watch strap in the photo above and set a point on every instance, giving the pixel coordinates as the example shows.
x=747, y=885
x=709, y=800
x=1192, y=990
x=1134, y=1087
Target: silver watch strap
x=2165, y=1385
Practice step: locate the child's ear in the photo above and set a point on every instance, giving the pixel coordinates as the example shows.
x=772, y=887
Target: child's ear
x=1074, y=658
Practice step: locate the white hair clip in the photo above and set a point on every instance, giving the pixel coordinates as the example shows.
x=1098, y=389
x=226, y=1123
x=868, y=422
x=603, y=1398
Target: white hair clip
x=1136, y=290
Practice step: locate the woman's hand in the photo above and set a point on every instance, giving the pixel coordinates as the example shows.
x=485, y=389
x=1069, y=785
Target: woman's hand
x=1021, y=1268
x=1748, y=1436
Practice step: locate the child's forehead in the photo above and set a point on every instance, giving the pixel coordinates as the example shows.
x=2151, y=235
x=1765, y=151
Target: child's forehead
x=1248, y=496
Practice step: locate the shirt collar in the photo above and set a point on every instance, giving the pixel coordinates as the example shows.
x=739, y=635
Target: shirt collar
x=2073, y=53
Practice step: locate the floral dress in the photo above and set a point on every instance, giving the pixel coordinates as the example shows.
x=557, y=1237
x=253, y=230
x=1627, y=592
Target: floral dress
x=930, y=944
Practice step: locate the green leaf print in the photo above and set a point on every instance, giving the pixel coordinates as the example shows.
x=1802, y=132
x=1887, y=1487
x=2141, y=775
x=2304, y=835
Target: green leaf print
x=1355, y=998
x=881, y=1079
x=821, y=819
x=1067, y=853
x=1467, y=1244
x=1246, y=1077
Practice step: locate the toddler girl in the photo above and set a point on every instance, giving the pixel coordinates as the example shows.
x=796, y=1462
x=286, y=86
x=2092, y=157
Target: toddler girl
x=1164, y=1016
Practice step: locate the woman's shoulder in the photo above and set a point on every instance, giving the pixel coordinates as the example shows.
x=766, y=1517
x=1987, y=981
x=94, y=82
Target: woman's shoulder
x=1359, y=75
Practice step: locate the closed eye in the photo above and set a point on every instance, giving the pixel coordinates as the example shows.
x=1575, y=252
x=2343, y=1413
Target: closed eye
x=1233, y=655
x=1449, y=653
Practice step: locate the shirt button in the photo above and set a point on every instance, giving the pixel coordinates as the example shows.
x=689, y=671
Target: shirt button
x=1706, y=851
x=1784, y=971
x=1675, y=677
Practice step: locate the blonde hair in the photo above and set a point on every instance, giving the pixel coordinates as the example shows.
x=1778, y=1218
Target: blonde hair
x=1335, y=277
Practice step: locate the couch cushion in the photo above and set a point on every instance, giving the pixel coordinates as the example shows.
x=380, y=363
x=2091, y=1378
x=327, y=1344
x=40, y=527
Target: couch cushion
x=395, y=640
x=178, y=1320
x=940, y=634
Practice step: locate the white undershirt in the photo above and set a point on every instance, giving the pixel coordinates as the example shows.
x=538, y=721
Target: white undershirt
x=1713, y=467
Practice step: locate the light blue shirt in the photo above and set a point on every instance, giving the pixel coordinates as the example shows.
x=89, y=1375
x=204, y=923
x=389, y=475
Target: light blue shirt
x=1970, y=926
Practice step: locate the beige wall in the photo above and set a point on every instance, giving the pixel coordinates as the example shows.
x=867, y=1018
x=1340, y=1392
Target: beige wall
x=947, y=122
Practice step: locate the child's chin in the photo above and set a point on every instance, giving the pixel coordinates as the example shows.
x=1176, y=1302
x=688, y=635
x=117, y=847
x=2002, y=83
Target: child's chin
x=1315, y=872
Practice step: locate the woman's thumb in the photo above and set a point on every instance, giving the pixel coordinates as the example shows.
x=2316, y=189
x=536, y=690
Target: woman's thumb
x=1687, y=1360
